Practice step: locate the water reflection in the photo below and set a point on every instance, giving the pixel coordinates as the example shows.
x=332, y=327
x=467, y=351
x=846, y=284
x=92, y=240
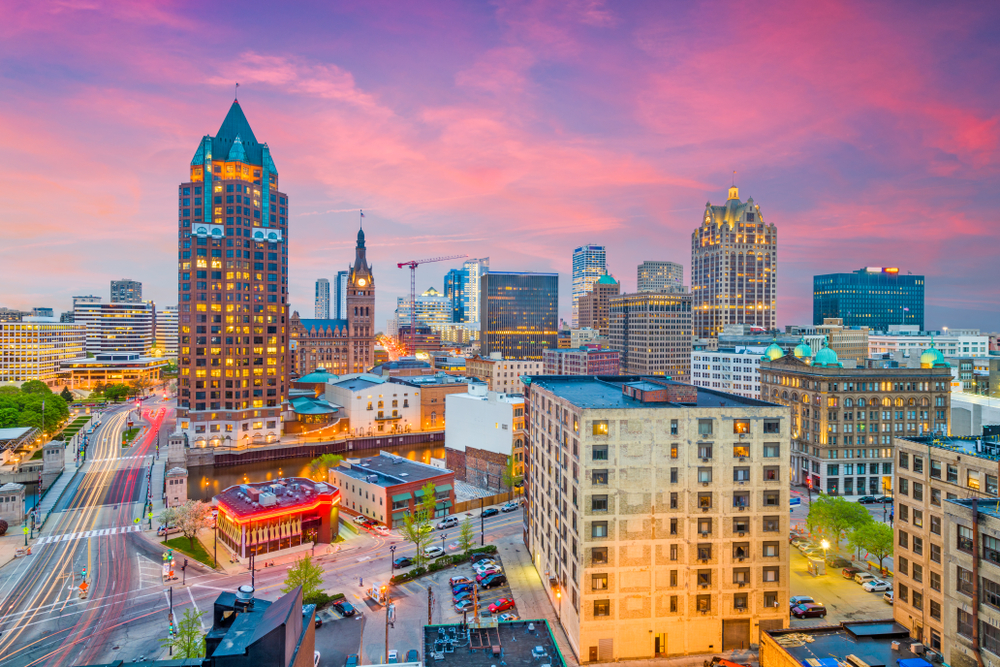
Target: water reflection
x=204, y=482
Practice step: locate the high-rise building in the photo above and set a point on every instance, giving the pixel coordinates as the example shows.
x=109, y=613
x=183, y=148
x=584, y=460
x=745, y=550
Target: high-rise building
x=678, y=548
x=652, y=330
x=873, y=297
x=338, y=306
x=734, y=267
x=232, y=280
x=166, y=330
x=117, y=327
x=518, y=313
x=126, y=291
x=844, y=419
x=35, y=350
x=471, y=289
x=589, y=264
x=42, y=312
x=595, y=305
x=655, y=276
x=454, y=292
x=90, y=298
x=323, y=299
x=431, y=309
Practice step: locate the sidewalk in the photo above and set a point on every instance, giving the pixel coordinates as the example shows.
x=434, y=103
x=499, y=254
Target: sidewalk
x=55, y=492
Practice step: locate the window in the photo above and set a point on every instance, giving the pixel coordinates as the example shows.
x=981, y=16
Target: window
x=972, y=479
x=600, y=427
x=935, y=524
x=673, y=427
x=770, y=574
x=935, y=496
x=704, y=427
x=935, y=469
x=772, y=426
x=772, y=498
x=964, y=623
x=935, y=581
x=599, y=477
x=904, y=486
x=741, y=426
x=918, y=518
x=965, y=539
x=918, y=491
x=902, y=592
x=673, y=603
x=770, y=549
x=771, y=473
x=705, y=500
x=991, y=484
x=989, y=636
x=600, y=453
x=599, y=555
x=963, y=582
x=705, y=451
x=991, y=593
x=741, y=451
x=918, y=545
x=704, y=577
x=936, y=553
x=904, y=540
x=952, y=474
x=599, y=529
x=741, y=550
x=741, y=499
x=673, y=500
x=674, y=475
x=602, y=607
x=704, y=552
x=771, y=524
x=770, y=599
x=991, y=549
x=918, y=573
x=741, y=525
x=704, y=603
x=918, y=465
x=673, y=526
x=741, y=474
x=705, y=475
x=599, y=503
x=903, y=566
x=772, y=450
x=598, y=582
x=705, y=526
x=673, y=578
x=673, y=552
x=904, y=460
x=741, y=575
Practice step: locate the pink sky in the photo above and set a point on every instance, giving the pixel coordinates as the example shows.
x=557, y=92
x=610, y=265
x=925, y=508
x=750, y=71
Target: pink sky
x=867, y=133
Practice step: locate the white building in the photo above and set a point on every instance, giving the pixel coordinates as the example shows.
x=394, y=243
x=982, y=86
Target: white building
x=473, y=272
x=166, y=330
x=35, y=350
x=373, y=405
x=322, y=309
x=431, y=309
x=659, y=276
x=488, y=426
x=589, y=264
x=907, y=338
x=116, y=327
x=734, y=370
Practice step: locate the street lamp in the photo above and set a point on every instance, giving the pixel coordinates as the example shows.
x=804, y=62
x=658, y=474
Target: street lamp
x=442, y=541
x=825, y=545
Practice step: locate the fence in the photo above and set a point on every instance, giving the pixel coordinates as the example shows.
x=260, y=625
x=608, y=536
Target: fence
x=486, y=501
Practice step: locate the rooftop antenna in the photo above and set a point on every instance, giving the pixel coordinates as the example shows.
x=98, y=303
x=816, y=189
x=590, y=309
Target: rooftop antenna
x=236, y=95
x=362, y=222
x=734, y=171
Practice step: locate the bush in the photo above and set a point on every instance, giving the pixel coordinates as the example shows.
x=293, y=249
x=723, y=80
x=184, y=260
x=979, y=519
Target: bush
x=337, y=596
x=3, y=527
x=488, y=549
x=319, y=599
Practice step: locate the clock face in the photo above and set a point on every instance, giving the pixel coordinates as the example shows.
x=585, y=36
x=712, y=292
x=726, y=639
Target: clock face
x=362, y=282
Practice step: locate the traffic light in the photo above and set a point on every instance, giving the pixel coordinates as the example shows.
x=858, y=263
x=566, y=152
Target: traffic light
x=83, y=572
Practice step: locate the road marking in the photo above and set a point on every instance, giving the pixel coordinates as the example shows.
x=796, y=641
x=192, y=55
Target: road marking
x=191, y=595
x=67, y=537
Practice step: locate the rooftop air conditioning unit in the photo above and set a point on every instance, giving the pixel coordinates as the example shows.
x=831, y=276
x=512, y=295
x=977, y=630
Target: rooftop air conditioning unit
x=741, y=533
x=917, y=649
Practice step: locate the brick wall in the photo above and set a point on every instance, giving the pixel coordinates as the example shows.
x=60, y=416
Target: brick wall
x=485, y=469
x=454, y=460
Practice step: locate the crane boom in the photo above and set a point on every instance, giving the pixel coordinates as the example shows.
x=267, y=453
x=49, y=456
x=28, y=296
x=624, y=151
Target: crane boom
x=413, y=264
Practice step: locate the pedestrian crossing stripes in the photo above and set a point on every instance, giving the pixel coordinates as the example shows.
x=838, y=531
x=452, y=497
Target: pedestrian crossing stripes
x=122, y=458
x=51, y=539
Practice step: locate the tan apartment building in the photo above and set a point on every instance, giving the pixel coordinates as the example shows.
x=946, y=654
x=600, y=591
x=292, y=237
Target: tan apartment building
x=652, y=330
x=847, y=342
x=595, y=305
x=658, y=514
x=844, y=419
x=931, y=471
x=502, y=375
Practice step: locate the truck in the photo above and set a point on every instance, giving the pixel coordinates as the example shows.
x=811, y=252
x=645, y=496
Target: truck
x=377, y=592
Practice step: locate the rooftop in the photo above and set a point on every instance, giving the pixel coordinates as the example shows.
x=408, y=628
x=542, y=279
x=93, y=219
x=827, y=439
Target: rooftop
x=390, y=469
x=870, y=641
x=605, y=392
x=987, y=447
x=284, y=493
x=359, y=381
x=430, y=380
x=524, y=643
x=318, y=376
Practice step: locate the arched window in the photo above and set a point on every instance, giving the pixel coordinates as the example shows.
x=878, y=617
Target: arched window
x=924, y=402
x=355, y=311
x=434, y=418
x=899, y=402
x=912, y=402
x=848, y=402
x=784, y=395
x=886, y=402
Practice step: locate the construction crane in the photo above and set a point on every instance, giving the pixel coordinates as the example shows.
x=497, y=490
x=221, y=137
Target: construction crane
x=413, y=264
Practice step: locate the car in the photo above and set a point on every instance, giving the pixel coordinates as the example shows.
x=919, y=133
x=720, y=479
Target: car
x=849, y=572
x=426, y=528
x=461, y=588
x=352, y=660
x=345, y=608
x=813, y=554
x=863, y=577
x=383, y=531
x=478, y=557
x=315, y=658
x=325, y=616
x=888, y=596
x=486, y=575
x=802, y=546
x=868, y=500
x=510, y=507
x=392, y=657
x=809, y=610
x=433, y=552
x=796, y=540
x=463, y=606
x=885, y=499
x=490, y=511
x=412, y=655
x=509, y=616
x=877, y=586
x=447, y=522
x=167, y=530
x=503, y=604
x=360, y=520
x=459, y=597
x=402, y=561
x=493, y=580
x=481, y=568
x=833, y=560
x=796, y=600
x=455, y=581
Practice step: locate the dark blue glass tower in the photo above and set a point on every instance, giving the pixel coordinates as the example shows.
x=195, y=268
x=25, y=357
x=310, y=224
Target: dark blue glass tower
x=874, y=297
x=454, y=281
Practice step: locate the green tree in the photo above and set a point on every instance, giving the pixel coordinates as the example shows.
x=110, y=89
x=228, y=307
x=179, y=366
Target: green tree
x=508, y=478
x=320, y=466
x=428, y=504
x=67, y=395
x=35, y=387
x=834, y=517
x=306, y=574
x=416, y=526
x=116, y=392
x=876, y=539
x=466, y=535
x=189, y=641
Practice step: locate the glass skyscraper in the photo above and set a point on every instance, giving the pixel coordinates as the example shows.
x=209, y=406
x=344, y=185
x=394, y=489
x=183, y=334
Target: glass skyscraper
x=873, y=297
x=589, y=264
x=519, y=313
x=454, y=292
x=322, y=299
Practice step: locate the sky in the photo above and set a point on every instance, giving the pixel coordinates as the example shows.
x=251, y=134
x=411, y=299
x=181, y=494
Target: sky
x=867, y=133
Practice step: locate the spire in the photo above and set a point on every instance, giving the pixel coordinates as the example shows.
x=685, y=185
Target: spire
x=235, y=125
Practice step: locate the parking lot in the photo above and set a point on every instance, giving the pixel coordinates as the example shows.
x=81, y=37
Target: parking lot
x=844, y=599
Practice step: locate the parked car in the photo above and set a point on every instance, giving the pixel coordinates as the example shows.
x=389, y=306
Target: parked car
x=796, y=540
x=802, y=546
x=809, y=610
x=849, y=572
x=885, y=499
x=455, y=581
x=478, y=557
x=868, y=500
x=493, y=581
x=488, y=573
x=888, y=596
x=480, y=568
x=447, y=522
x=360, y=520
x=392, y=657
x=402, y=561
x=412, y=655
x=814, y=554
x=796, y=600
x=509, y=616
x=863, y=577
x=503, y=604
x=490, y=511
x=461, y=596
x=167, y=530
x=833, y=560
x=316, y=658
x=344, y=607
x=510, y=507
x=877, y=586
x=463, y=606
x=433, y=552
x=461, y=588
x=325, y=616
x=352, y=660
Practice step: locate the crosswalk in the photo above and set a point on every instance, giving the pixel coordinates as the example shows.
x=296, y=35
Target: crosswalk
x=51, y=539
x=122, y=458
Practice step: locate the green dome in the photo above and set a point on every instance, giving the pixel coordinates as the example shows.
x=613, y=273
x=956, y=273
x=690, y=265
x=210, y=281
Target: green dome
x=826, y=357
x=802, y=350
x=606, y=280
x=932, y=358
x=773, y=352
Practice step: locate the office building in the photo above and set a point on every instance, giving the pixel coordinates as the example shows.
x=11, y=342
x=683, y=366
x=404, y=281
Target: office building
x=484, y=437
x=338, y=305
x=454, y=291
x=674, y=540
x=734, y=268
x=931, y=470
x=117, y=327
x=659, y=277
x=911, y=341
x=126, y=291
x=431, y=309
x=322, y=299
x=595, y=305
x=166, y=330
x=518, y=313
x=652, y=331
x=583, y=360
x=873, y=297
x=90, y=298
x=500, y=374
x=107, y=368
x=473, y=270
x=232, y=281
x=11, y=315
x=42, y=312
x=734, y=370
x=844, y=419
x=36, y=350
x=848, y=342
x=589, y=264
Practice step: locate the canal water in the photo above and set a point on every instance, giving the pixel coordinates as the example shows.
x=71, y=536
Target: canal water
x=204, y=482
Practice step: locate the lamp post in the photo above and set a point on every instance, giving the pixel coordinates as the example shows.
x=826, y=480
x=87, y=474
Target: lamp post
x=443, y=536
x=825, y=545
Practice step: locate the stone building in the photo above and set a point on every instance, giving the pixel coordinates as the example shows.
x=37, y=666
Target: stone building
x=500, y=374
x=12, y=503
x=652, y=331
x=595, y=305
x=844, y=419
x=847, y=342
x=658, y=514
x=175, y=487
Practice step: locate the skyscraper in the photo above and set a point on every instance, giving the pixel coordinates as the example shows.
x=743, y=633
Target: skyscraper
x=232, y=290
x=322, y=299
x=519, y=313
x=471, y=289
x=117, y=327
x=453, y=291
x=589, y=264
x=126, y=291
x=659, y=276
x=734, y=267
x=874, y=297
x=595, y=305
x=652, y=330
x=338, y=305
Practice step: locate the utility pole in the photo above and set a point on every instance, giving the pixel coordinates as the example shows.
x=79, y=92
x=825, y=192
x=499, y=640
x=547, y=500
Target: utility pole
x=170, y=617
x=430, y=598
x=388, y=610
x=482, y=523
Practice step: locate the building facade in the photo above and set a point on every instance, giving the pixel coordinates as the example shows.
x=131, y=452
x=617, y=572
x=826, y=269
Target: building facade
x=111, y=368
x=36, y=350
x=583, y=360
x=500, y=374
x=589, y=264
x=847, y=342
x=434, y=391
x=126, y=291
x=166, y=331
x=485, y=437
x=658, y=515
x=595, y=305
x=873, y=297
x=910, y=340
x=734, y=370
x=232, y=280
x=519, y=312
x=659, y=276
x=339, y=296
x=734, y=267
x=844, y=420
x=116, y=327
x=473, y=270
x=322, y=309
x=454, y=292
x=652, y=331
x=373, y=405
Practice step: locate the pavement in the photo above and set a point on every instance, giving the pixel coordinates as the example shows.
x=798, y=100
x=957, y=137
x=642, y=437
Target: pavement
x=845, y=600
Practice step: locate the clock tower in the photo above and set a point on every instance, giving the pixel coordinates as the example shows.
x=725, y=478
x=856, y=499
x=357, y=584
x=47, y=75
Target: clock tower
x=361, y=310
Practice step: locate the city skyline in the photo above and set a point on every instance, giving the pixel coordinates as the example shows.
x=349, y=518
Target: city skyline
x=632, y=172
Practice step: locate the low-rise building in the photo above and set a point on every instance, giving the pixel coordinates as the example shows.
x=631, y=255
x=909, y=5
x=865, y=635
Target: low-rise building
x=485, y=437
x=434, y=389
x=373, y=405
x=502, y=375
x=36, y=350
x=856, y=643
x=385, y=488
x=909, y=338
x=734, y=370
x=584, y=360
x=12, y=503
x=111, y=368
x=524, y=642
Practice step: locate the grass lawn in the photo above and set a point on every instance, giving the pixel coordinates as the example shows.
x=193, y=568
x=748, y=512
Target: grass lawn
x=182, y=546
x=129, y=435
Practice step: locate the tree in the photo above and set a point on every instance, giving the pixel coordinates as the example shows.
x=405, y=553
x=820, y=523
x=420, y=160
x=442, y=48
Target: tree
x=320, y=466
x=189, y=518
x=67, y=395
x=834, y=517
x=418, y=532
x=509, y=478
x=876, y=539
x=428, y=506
x=189, y=640
x=306, y=574
x=466, y=535
x=115, y=392
x=35, y=387
x=138, y=386
x=99, y=388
